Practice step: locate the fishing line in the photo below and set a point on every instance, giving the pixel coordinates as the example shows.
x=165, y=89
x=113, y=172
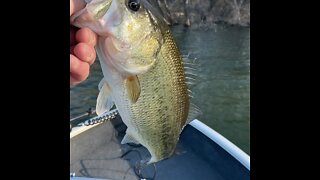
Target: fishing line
x=117, y=132
x=139, y=166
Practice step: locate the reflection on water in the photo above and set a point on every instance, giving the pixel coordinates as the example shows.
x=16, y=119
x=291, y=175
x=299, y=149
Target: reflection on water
x=222, y=90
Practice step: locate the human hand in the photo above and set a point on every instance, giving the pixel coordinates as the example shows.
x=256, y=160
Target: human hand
x=82, y=52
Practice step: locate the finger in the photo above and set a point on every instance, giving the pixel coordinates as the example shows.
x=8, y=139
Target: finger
x=87, y=36
x=85, y=52
x=73, y=31
x=73, y=81
x=76, y=5
x=79, y=70
x=71, y=49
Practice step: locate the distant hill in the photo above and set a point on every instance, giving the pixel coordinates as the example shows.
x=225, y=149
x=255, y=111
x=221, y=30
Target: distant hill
x=197, y=12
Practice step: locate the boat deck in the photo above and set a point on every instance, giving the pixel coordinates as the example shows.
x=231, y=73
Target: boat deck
x=97, y=153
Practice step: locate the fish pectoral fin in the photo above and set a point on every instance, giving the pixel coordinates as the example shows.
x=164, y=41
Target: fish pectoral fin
x=104, y=101
x=101, y=83
x=133, y=88
x=194, y=111
x=129, y=139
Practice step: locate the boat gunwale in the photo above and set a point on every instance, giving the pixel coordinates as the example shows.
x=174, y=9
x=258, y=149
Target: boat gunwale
x=223, y=142
x=216, y=137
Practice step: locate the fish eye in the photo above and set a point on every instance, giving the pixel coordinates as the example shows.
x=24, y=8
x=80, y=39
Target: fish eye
x=134, y=5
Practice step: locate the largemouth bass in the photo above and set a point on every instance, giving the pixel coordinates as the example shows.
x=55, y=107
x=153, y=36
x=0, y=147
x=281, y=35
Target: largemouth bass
x=143, y=72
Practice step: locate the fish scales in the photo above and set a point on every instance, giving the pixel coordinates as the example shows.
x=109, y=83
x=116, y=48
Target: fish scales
x=162, y=108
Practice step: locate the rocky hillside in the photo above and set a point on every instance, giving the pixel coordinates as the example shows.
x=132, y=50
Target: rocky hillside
x=200, y=12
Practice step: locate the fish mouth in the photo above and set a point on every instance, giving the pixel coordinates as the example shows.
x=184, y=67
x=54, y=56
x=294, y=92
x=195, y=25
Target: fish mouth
x=115, y=13
x=101, y=16
x=100, y=8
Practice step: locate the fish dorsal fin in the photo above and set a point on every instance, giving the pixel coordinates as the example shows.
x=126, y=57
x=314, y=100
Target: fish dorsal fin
x=194, y=111
x=156, y=14
x=191, y=69
x=133, y=87
x=104, y=101
x=129, y=139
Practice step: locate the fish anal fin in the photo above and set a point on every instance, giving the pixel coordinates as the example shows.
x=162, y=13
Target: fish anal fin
x=129, y=139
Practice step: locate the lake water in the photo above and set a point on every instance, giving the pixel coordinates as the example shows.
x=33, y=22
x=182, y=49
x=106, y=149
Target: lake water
x=222, y=91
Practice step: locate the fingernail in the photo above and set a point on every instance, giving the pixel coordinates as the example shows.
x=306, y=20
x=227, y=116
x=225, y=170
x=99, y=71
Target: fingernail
x=89, y=56
x=92, y=38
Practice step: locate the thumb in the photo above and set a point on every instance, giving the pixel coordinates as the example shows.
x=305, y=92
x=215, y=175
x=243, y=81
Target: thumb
x=76, y=5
